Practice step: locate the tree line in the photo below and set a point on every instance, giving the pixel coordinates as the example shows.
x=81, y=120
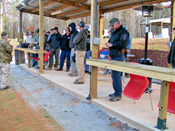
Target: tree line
x=128, y=17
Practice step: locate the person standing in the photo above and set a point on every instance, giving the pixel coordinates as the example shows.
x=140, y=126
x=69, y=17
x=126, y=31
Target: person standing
x=65, y=50
x=117, y=42
x=73, y=33
x=80, y=41
x=171, y=54
x=88, y=52
x=54, y=42
x=5, y=59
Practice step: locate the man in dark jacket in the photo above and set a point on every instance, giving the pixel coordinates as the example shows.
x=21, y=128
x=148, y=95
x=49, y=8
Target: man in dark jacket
x=73, y=33
x=80, y=41
x=54, y=42
x=171, y=54
x=65, y=50
x=117, y=42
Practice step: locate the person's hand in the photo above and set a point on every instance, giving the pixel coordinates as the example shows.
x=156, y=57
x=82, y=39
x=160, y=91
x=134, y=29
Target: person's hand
x=108, y=44
x=35, y=43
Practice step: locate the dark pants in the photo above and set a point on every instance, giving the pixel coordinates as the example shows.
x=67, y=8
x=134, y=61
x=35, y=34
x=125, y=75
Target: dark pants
x=173, y=64
x=65, y=54
x=56, y=53
x=116, y=78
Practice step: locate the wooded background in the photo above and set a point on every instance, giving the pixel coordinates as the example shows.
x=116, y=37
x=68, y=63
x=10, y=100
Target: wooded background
x=128, y=17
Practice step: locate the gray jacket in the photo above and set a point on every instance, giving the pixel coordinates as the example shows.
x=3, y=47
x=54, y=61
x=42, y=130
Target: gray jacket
x=80, y=40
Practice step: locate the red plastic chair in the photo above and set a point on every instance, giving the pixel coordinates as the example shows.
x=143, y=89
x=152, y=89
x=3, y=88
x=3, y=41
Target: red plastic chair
x=136, y=87
x=171, y=98
x=46, y=57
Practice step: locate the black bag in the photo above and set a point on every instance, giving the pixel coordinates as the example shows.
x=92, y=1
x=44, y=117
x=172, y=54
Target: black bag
x=24, y=45
x=74, y=58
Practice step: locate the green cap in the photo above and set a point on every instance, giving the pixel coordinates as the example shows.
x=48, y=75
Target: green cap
x=112, y=21
x=3, y=33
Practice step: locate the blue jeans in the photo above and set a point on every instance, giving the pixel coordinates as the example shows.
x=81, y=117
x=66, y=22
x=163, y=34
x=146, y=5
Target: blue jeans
x=65, y=54
x=122, y=57
x=116, y=78
x=87, y=56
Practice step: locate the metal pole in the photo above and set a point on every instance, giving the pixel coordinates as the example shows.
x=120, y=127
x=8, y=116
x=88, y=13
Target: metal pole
x=146, y=37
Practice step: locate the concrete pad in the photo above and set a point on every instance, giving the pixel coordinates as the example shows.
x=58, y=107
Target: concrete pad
x=139, y=115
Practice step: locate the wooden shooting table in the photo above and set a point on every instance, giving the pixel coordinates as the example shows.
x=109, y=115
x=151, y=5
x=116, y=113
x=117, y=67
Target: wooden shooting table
x=28, y=50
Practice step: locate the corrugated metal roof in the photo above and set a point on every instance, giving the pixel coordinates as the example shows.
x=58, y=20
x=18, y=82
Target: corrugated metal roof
x=70, y=9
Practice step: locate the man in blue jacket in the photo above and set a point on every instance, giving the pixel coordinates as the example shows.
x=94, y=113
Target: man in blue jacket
x=54, y=43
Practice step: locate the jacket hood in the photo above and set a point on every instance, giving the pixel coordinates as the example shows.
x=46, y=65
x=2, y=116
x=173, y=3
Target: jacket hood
x=85, y=31
x=73, y=26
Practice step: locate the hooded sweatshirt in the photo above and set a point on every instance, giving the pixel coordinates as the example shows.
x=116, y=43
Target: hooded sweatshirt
x=80, y=40
x=74, y=32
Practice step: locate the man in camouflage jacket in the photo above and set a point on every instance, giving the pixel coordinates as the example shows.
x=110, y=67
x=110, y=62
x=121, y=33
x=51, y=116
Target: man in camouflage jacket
x=5, y=59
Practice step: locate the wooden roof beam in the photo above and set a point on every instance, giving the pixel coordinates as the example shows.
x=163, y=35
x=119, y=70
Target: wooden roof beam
x=45, y=5
x=37, y=13
x=56, y=9
x=75, y=4
x=79, y=16
x=111, y=2
x=135, y=4
x=69, y=12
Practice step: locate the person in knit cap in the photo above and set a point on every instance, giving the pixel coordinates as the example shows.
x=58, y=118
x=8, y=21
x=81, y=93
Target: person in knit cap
x=5, y=59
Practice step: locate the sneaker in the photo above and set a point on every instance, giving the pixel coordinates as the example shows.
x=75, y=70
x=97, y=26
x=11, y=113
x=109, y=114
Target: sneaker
x=7, y=87
x=78, y=82
x=115, y=98
x=111, y=95
x=59, y=69
x=67, y=70
x=71, y=74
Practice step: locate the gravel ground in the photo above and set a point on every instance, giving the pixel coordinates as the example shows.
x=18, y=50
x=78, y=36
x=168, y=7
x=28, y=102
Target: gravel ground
x=70, y=112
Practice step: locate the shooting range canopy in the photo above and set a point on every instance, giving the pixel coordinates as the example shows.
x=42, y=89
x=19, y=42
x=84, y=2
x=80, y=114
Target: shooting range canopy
x=71, y=9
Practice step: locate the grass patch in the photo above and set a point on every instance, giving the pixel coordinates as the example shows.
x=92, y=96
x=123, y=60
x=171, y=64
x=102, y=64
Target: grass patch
x=17, y=115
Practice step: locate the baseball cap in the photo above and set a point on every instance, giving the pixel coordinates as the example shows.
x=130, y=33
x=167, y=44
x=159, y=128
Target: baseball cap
x=112, y=21
x=55, y=28
x=26, y=32
x=37, y=30
x=3, y=33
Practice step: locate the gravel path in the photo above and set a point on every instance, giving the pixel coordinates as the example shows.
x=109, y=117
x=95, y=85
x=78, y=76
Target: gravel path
x=70, y=112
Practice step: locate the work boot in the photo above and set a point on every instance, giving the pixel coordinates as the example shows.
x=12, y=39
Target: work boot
x=7, y=87
x=59, y=69
x=67, y=70
x=111, y=95
x=71, y=74
x=78, y=82
x=115, y=98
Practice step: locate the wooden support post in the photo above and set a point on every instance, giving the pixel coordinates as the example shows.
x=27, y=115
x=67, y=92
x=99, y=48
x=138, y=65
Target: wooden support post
x=20, y=28
x=94, y=55
x=41, y=35
x=161, y=27
x=173, y=20
x=20, y=57
x=101, y=31
x=28, y=57
x=2, y=16
x=161, y=122
x=66, y=23
x=150, y=27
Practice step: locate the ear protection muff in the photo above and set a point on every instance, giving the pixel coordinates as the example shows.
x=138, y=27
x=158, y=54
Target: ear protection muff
x=82, y=24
